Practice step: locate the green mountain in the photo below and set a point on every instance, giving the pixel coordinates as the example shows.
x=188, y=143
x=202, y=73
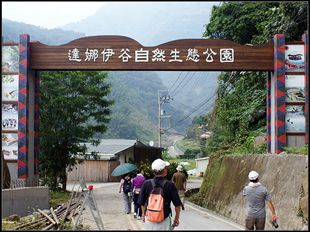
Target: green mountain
x=154, y=23
x=136, y=107
x=11, y=31
x=135, y=93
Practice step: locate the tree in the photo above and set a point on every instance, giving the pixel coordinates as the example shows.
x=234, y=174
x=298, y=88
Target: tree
x=73, y=109
x=257, y=22
x=236, y=21
x=241, y=105
x=289, y=18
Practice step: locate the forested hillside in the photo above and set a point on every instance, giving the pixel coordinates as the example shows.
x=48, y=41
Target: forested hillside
x=169, y=21
x=11, y=31
x=134, y=114
x=240, y=111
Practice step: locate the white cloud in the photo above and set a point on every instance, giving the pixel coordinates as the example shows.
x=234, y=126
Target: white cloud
x=49, y=14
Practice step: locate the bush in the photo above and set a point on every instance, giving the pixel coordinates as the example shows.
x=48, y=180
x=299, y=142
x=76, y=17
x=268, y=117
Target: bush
x=171, y=169
x=297, y=150
x=165, y=155
x=146, y=166
x=58, y=197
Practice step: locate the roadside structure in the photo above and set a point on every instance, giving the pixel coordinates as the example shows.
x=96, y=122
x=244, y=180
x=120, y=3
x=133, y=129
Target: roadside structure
x=110, y=153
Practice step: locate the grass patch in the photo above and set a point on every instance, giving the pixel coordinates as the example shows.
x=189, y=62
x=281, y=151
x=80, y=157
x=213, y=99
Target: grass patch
x=189, y=146
x=66, y=225
x=8, y=225
x=57, y=198
x=297, y=150
x=191, y=161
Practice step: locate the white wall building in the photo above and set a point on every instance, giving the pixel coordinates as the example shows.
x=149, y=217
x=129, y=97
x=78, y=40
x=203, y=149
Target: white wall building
x=202, y=164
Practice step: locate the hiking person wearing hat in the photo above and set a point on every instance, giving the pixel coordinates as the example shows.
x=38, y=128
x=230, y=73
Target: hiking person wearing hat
x=155, y=198
x=256, y=195
x=179, y=179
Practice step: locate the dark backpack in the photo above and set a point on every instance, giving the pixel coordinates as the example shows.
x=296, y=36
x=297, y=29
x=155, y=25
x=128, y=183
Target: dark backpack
x=127, y=186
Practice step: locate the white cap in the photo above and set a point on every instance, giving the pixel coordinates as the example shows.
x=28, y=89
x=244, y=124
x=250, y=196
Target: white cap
x=159, y=164
x=253, y=175
x=179, y=168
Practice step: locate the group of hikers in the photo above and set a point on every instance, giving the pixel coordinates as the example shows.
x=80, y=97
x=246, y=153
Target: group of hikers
x=152, y=198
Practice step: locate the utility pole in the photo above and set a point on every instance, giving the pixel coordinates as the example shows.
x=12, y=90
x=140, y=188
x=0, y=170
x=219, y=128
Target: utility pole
x=162, y=97
x=159, y=112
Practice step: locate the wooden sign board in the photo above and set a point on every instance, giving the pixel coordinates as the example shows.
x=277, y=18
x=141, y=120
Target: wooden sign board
x=123, y=53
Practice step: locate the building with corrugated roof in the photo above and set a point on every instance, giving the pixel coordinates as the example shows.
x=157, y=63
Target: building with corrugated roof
x=109, y=154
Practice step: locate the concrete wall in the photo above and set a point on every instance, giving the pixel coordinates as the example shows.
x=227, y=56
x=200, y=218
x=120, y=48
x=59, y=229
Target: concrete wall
x=285, y=176
x=22, y=201
x=12, y=165
x=202, y=164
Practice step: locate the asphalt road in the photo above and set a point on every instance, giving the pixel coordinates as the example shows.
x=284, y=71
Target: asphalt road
x=110, y=206
x=173, y=150
x=196, y=218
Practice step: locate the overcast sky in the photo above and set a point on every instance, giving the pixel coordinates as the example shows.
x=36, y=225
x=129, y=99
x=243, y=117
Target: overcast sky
x=48, y=14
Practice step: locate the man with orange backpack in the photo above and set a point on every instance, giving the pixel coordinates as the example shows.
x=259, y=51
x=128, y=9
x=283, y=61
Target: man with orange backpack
x=155, y=198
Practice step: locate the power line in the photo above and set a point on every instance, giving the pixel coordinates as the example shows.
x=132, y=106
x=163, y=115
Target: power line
x=175, y=93
x=195, y=83
x=201, y=76
x=180, y=83
x=177, y=124
x=175, y=81
x=180, y=103
x=196, y=109
x=205, y=101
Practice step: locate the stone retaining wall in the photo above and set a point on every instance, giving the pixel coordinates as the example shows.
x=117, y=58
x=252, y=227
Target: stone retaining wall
x=285, y=176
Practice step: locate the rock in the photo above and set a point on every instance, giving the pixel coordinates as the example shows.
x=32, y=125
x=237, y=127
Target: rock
x=259, y=140
x=190, y=192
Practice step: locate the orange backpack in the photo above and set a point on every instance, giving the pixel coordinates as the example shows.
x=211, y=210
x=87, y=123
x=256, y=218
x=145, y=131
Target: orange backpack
x=155, y=204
